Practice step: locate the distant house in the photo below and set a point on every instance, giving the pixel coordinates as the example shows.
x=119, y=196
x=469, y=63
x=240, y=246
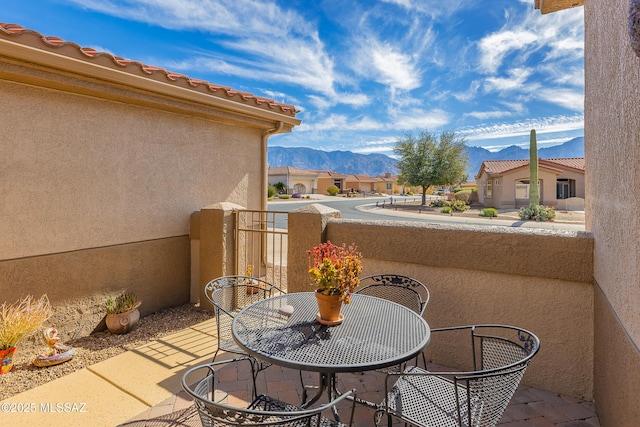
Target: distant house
x=328, y=178
x=504, y=184
x=362, y=183
x=296, y=180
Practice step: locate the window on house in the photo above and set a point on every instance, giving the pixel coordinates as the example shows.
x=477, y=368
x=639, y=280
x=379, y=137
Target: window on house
x=522, y=188
x=337, y=183
x=488, y=190
x=565, y=188
x=389, y=186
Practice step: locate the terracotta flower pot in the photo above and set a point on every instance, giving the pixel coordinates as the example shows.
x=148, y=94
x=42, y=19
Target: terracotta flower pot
x=329, y=307
x=121, y=323
x=6, y=360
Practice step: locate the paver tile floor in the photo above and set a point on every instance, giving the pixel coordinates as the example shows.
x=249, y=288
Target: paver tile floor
x=528, y=408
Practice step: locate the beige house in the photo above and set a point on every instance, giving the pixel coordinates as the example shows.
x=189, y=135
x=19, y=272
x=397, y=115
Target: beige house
x=296, y=181
x=388, y=184
x=361, y=183
x=328, y=178
x=104, y=161
x=504, y=184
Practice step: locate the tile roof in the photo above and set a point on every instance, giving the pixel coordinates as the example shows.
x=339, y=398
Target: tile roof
x=362, y=178
x=499, y=167
x=289, y=170
x=329, y=174
x=569, y=162
x=31, y=38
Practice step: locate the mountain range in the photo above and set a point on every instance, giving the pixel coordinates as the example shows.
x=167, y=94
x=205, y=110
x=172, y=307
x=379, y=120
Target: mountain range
x=347, y=162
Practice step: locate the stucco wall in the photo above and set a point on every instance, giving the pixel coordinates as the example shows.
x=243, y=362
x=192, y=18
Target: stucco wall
x=82, y=172
x=612, y=150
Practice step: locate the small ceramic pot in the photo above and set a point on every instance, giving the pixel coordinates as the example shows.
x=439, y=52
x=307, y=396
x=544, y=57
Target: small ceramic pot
x=121, y=323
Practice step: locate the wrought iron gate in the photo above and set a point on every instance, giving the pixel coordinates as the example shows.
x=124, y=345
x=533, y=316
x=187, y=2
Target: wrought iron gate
x=261, y=245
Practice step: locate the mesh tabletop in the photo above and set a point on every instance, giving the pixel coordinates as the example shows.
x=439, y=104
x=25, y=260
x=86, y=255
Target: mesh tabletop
x=375, y=333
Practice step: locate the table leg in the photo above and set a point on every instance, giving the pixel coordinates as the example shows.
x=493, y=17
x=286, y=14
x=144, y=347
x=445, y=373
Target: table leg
x=328, y=382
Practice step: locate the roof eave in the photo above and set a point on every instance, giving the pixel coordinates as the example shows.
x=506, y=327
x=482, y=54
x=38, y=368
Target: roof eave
x=46, y=58
x=549, y=6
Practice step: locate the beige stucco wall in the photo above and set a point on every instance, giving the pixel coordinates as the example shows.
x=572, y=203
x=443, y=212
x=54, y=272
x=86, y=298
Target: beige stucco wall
x=536, y=279
x=612, y=150
x=99, y=180
x=83, y=172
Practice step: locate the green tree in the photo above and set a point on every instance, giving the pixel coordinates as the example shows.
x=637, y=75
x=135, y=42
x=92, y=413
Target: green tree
x=280, y=187
x=425, y=160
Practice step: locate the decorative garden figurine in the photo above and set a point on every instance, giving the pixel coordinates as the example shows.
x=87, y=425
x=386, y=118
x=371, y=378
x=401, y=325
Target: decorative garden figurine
x=56, y=353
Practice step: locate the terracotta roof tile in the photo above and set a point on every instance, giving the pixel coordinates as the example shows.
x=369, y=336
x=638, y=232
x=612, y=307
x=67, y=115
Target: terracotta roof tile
x=577, y=163
x=20, y=34
x=499, y=167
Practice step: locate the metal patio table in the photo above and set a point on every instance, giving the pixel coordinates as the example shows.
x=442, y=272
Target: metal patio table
x=374, y=334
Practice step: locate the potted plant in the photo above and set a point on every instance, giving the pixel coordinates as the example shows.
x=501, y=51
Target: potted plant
x=18, y=320
x=122, y=313
x=335, y=272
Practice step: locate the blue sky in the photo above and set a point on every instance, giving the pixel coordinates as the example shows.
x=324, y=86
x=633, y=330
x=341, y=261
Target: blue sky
x=363, y=73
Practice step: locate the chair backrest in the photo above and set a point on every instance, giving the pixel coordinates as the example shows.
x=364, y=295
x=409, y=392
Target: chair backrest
x=403, y=290
x=229, y=294
x=501, y=355
x=212, y=400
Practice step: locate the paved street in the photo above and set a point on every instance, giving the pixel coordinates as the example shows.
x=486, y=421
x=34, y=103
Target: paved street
x=366, y=209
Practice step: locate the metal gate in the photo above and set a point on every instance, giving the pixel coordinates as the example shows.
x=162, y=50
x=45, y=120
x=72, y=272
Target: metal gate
x=261, y=245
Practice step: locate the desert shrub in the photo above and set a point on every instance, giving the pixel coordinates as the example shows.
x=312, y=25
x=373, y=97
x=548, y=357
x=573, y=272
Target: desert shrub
x=489, y=212
x=537, y=213
x=284, y=196
x=271, y=191
x=410, y=193
x=437, y=203
x=446, y=209
x=459, y=205
x=457, y=189
x=333, y=190
x=463, y=195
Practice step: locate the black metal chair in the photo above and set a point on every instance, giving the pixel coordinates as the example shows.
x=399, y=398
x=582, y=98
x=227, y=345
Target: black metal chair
x=404, y=290
x=499, y=356
x=229, y=294
x=212, y=403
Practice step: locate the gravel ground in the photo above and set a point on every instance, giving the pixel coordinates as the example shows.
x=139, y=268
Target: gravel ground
x=95, y=348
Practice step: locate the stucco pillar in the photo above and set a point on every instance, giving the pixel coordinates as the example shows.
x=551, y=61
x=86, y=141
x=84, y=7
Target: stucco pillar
x=307, y=227
x=217, y=249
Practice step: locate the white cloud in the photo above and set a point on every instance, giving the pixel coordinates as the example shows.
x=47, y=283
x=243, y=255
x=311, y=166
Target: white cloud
x=521, y=128
x=393, y=68
x=515, y=81
x=419, y=119
x=486, y=115
x=567, y=98
x=342, y=122
x=280, y=44
x=495, y=47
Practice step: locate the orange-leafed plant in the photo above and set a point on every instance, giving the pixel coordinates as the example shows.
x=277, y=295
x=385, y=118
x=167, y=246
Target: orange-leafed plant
x=335, y=270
